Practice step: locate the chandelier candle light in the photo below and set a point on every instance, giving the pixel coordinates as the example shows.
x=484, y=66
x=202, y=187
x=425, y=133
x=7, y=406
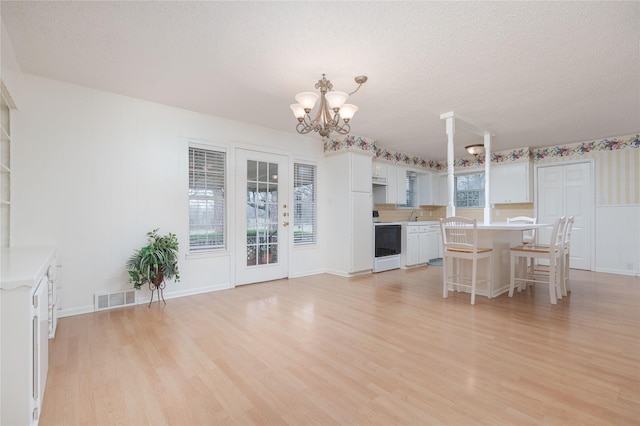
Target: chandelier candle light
x=332, y=109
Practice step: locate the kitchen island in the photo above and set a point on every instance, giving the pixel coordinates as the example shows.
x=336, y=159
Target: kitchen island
x=500, y=236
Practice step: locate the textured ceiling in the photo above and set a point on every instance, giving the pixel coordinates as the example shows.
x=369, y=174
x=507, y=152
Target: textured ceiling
x=534, y=73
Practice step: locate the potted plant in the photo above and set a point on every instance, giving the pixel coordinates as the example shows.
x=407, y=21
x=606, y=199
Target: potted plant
x=155, y=263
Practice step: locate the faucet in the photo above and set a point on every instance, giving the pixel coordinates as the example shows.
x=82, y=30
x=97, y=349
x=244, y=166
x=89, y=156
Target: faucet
x=411, y=218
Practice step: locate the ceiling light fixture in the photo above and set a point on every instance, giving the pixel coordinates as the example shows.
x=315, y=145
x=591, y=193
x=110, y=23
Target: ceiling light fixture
x=476, y=149
x=332, y=109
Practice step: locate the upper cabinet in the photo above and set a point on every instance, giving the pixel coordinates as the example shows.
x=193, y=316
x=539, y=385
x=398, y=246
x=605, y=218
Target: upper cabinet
x=394, y=192
x=379, y=172
x=392, y=183
x=512, y=183
x=360, y=178
x=433, y=189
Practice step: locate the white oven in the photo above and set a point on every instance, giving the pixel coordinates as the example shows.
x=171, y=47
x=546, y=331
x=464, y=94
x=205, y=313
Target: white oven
x=387, y=237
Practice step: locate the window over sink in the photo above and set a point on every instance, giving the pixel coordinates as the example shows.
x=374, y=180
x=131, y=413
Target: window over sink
x=469, y=190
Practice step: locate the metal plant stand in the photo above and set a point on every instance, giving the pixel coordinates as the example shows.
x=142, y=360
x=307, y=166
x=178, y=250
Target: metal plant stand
x=157, y=287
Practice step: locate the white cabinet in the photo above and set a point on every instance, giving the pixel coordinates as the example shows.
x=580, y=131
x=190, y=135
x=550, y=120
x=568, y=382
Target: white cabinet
x=425, y=192
x=440, y=188
x=421, y=242
x=512, y=183
x=433, y=189
x=394, y=192
x=359, y=175
x=417, y=244
x=349, y=230
x=379, y=171
x=25, y=326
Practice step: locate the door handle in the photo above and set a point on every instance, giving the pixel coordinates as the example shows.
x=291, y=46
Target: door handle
x=285, y=223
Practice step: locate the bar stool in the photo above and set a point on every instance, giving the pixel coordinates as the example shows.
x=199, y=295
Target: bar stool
x=460, y=242
x=553, y=252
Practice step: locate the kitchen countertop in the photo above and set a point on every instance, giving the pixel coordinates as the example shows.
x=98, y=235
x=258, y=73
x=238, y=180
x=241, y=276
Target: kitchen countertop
x=21, y=266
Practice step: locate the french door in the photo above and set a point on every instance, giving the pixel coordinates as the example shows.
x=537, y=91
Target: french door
x=262, y=181
x=567, y=190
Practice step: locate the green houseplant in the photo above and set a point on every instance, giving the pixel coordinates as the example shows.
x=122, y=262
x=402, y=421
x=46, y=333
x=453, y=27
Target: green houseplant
x=156, y=262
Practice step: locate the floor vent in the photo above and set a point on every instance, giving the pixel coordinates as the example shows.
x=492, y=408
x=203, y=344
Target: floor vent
x=114, y=299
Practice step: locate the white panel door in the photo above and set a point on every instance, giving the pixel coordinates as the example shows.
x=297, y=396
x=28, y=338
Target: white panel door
x=262, y=182
x=567, y=190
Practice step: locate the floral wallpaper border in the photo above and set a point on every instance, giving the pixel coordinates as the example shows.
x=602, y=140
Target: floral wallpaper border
x=585, y=148
x=361, y=144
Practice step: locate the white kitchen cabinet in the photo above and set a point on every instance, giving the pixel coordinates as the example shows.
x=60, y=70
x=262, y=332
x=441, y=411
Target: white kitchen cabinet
x=440, y=188
x=359, y=173
x=394, y=192
x=512, y=183
x=433, y=189
x=432, y=245
x=350, y=222
x=379, y=170
x=25, y=328
x=418, y=244
x=425, y=193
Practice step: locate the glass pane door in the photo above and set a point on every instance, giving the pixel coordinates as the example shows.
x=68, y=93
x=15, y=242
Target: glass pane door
x=262, y=213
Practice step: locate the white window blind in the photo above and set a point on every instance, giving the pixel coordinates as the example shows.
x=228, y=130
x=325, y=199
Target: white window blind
x=411, y=191
x=304, y=216
x=470, y=190
x=207, y=204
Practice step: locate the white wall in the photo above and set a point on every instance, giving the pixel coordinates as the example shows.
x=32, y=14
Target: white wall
x=93, y=172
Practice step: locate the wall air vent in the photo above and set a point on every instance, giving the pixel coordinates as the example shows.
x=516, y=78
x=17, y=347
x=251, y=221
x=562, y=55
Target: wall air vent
x=114, y=299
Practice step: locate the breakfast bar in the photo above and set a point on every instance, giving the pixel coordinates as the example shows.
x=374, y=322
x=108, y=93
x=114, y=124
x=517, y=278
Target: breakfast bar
x=501, y=236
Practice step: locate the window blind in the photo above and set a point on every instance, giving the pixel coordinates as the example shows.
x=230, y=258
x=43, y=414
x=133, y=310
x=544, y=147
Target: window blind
x=207, y=204
x=304, y=216
x=469, y=190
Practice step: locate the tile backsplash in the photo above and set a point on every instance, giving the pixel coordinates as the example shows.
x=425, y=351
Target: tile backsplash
x=500, y=212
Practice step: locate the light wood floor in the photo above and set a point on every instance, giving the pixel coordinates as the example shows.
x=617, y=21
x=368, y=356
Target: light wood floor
x=382, y=349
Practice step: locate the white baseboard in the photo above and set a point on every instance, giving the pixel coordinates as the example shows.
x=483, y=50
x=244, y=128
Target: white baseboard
x=346, y=274
x=145, y=299
x=618, y=271
x=75, y=311
x=183, y=293
x=307, y=273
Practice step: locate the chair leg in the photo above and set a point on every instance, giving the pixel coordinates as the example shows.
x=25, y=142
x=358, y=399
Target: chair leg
x=490, y=275
x=563, y=279
x=473, y=281
x=445, y=270
x=512, y=282
x=566, y=272
x=552, y=281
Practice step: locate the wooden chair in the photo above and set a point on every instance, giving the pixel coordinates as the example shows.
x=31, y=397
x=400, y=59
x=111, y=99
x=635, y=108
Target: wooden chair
x=528, y=237
x=553, y=252
x=566, y=255
x=460, y=242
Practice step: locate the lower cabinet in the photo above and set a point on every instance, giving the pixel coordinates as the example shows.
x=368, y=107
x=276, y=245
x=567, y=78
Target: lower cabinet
x=26, y=309
x=420, y=243
x=415, y=245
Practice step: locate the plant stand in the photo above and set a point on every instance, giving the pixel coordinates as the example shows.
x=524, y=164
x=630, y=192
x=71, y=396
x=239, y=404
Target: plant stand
x=157, y=287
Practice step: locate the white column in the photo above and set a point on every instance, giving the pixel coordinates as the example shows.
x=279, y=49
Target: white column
x=487, y=177
x=451, y=129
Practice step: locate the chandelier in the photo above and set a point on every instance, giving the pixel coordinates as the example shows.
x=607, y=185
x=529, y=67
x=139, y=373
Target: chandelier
x=332, y=116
